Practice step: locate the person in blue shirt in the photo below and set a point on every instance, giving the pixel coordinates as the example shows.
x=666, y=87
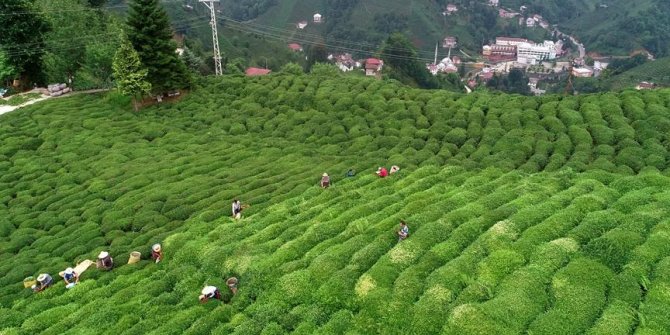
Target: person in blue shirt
x=403, y=233
x=70, y=277
x=44, y=280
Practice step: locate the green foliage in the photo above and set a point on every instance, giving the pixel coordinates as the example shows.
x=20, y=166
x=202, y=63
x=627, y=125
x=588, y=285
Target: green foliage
x=7, y=70
x=525, y=214
x=23, y=38
x=129, y=74
x=151, y=36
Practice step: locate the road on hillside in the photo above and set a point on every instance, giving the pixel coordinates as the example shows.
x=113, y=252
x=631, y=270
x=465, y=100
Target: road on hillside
x=580, y=46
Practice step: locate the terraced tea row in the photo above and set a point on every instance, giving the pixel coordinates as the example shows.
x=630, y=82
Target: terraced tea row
x=527, y=215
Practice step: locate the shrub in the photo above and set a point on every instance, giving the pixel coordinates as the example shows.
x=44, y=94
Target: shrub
x=456, y=136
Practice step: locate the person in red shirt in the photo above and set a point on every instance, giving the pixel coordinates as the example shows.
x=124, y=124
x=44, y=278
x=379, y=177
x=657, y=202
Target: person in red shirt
x=382, y=172
x=156, y=253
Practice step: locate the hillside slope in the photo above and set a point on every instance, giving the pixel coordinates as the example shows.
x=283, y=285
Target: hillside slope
x=657, y=71
x=527, y=215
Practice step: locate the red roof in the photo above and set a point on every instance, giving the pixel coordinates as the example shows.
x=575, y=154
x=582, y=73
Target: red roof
x=373, y=61
x=254, y=71
x=295, y=47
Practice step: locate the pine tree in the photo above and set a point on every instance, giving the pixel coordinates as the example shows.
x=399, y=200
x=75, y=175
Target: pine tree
x=129, y=74
x=192, y=61
x=22, y=37
x=151, y=36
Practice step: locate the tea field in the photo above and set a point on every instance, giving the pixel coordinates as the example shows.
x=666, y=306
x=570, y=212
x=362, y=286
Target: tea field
x=527, y=215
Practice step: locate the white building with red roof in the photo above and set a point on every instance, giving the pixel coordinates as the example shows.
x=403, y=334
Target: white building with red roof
x=373, y=66
x=295, y=47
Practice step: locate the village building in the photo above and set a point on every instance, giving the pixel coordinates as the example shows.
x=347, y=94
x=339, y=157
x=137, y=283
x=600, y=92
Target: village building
x=493, y=3
x=486, y=74
x=499, y=53
x=373, y=67
x=531, y=53
x=295, y=47
x=451, y=9
x=254, y=71
x=449, y=42
x=302, y=24
x=510, y=40
x=318, y=18
x=582, y=72
x=530, y=22
x=345, y=62
x=446, y=65
x=507, y=14
x=645, y=86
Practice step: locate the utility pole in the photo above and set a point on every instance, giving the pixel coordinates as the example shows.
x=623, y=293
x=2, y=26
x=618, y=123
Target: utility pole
x=215, y=36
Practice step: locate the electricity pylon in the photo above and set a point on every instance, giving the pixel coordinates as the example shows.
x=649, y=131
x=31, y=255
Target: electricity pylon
x=215, y=36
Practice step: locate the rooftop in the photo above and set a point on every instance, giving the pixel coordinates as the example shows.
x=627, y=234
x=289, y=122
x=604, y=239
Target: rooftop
x=254, y=71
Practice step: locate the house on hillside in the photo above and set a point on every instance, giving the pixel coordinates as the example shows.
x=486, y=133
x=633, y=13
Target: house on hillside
x=318, y=18
x=445, y=66
x=451, y=9
x=582, y=72
x=645, y=86
x=449, y=42
x=486, y=74
x=254, y=71
x=295, y=47
x=302, y=24
x=530, y=22
x=510, y=40
x=493, y=3
x=505, y=14
x=345, y=62
x=373, y=67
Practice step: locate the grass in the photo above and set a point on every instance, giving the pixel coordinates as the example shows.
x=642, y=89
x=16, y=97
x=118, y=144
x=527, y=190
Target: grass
x=19, y=99
x=538, y=215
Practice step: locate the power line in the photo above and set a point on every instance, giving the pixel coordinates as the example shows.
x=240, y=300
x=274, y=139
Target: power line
x=291, y=32
x=48, y=10
x=336, y=47
x=63, y=44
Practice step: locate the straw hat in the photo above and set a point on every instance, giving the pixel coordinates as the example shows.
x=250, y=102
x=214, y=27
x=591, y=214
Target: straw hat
x=41, y=277
x=156, y=247
x=103, y=254
x=208, y=290
x=325, y=174
x=69, y=271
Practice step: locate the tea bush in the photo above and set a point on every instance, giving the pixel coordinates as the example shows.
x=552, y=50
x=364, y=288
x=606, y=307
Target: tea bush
x=527, y=215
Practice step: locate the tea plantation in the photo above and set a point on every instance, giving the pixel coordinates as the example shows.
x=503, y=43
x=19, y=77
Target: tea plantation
x=527, y=215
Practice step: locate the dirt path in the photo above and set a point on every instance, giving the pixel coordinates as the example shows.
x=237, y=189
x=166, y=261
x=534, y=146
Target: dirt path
x=6, y=109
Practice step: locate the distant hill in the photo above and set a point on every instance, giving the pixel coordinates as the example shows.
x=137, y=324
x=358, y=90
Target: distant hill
x=621, y=26
x=609, y=27
x=657, y=72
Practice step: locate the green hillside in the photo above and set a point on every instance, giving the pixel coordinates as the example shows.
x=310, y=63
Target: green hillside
x=657, y=72
x=527, y=215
